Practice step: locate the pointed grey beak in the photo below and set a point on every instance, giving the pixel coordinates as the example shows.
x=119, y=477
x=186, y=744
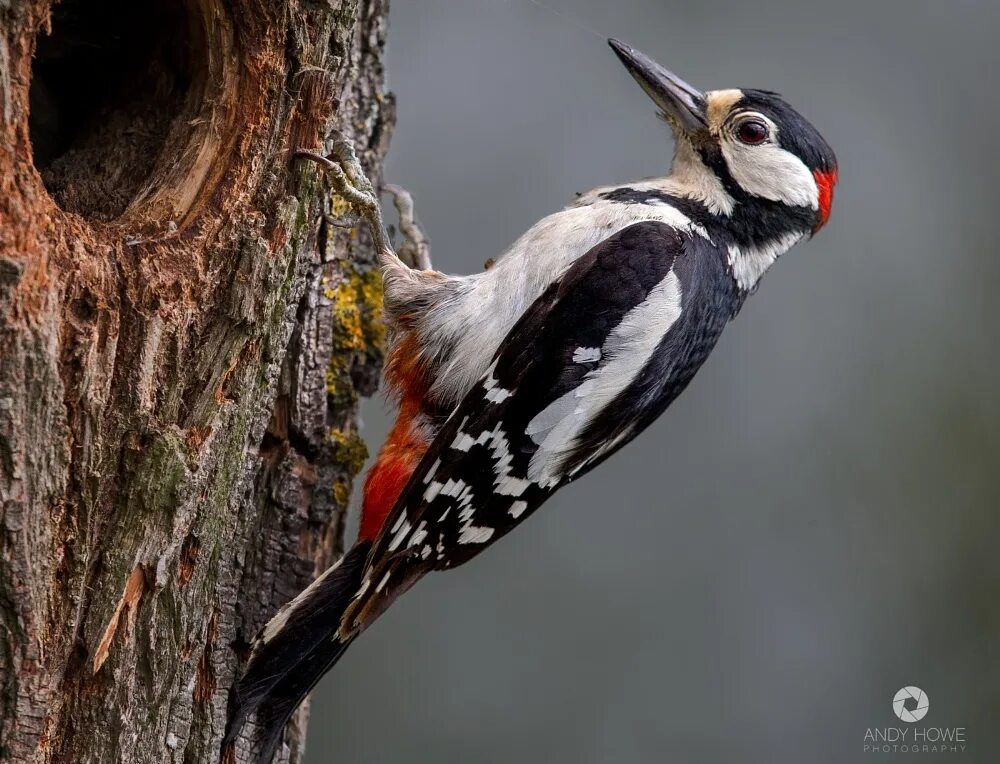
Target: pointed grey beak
x=682, y=104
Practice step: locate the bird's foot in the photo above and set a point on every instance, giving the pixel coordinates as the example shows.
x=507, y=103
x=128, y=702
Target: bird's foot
x=350, y=182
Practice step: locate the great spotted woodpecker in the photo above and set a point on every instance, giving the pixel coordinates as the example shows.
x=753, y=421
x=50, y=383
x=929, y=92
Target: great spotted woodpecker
x=517, y=380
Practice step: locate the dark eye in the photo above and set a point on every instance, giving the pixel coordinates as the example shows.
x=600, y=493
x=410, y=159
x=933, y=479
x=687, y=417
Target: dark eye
x=752, y=132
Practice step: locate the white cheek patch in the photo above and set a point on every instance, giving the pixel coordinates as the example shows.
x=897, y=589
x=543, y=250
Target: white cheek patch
x=771, y=172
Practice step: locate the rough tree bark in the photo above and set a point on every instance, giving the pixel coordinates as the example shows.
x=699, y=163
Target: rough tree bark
x=185, y=327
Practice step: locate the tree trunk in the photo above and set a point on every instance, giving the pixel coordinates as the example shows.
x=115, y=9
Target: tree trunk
x=185, y=328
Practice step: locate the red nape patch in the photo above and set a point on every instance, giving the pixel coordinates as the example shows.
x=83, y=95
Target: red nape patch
x=825, y=181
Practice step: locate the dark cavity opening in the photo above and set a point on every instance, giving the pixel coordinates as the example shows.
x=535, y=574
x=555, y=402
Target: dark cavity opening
x=108, y=85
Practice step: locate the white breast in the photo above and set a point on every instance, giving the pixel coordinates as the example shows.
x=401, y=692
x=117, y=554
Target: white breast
x=474, y=321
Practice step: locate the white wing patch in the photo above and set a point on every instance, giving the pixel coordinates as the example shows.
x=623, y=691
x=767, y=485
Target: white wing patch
x=626, y=351
x=433, y=490
x=504, y=482
x=402, y=533
x=586, y=355
x=463, y=441
x=418, y=535
x=398, y=524
x=453, y=488
x=494, y=392
x=469, y=533
x=432, y=471
x=475, y=535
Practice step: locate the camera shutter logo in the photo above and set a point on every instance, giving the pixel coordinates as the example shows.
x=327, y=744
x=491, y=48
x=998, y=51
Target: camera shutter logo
x=911, y=704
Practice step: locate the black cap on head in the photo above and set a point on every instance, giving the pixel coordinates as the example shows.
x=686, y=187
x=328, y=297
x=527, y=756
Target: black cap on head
x=796, y=133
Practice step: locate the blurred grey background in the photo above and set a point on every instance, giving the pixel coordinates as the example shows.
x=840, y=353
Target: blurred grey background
x=814, y=524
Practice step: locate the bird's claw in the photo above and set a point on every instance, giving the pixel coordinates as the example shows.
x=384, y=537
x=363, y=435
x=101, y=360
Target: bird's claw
x=343, y=151
x=349, y=179
x=352, y=184
x=342, y=183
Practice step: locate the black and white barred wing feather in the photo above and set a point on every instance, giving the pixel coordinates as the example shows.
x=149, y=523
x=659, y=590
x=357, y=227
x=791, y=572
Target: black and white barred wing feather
x=592, y=362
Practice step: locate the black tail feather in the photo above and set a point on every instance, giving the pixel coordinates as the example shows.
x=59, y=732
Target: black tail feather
x=301, y=646
x=286, y=696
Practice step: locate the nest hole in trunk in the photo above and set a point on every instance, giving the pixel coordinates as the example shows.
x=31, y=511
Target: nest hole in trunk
x=113, y=83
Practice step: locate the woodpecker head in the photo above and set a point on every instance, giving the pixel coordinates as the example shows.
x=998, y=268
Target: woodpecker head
x=742, y=149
